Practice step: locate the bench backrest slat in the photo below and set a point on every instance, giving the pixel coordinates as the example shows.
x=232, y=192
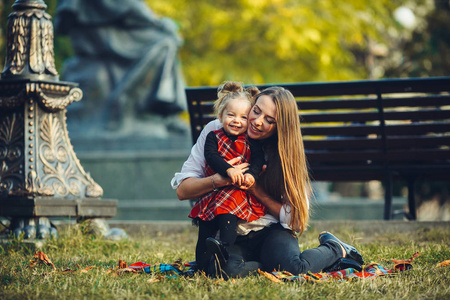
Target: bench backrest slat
x=420, y=142
x=343, y=143
x=418, y=129
x=418, y=155
x=339, y=131
x=326, y=116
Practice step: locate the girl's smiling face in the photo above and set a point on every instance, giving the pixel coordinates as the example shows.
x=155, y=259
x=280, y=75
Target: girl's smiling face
x=234, y=117
x=262, y=119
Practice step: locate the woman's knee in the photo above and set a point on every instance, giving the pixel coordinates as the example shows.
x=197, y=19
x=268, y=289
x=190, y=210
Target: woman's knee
x=280, y=251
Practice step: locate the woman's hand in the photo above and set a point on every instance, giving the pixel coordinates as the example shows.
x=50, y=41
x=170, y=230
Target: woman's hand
x=247, y=183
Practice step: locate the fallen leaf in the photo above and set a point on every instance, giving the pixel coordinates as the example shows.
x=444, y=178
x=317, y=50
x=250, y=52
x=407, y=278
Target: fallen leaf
x=443, y=264
x=41, y=257
x=269, y=276
x=287, y=273
x=405, y=261
x=126, y=270
x=86, y=269
x=68, y=271
x=122, y=264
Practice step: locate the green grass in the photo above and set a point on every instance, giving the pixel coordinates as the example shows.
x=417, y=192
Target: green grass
x=73, y=250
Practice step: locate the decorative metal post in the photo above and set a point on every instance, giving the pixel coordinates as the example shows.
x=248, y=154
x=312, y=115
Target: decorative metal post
x=40, y=175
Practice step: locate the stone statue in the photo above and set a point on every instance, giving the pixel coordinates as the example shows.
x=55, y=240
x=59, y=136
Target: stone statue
x=125, y=61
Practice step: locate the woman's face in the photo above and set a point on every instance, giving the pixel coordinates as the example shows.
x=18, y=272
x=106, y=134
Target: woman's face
x=262, y=119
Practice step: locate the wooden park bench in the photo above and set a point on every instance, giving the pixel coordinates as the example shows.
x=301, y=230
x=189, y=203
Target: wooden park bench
x=392, y=129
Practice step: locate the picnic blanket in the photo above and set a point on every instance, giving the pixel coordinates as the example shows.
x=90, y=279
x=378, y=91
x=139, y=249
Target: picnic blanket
x=369, y=271
x=179, y=269
x=167, y=270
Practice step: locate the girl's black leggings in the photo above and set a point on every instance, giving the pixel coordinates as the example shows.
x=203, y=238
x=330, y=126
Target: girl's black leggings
x=226, y=223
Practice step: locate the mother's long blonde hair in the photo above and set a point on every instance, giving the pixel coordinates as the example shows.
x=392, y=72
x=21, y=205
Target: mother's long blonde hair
x=287, y=170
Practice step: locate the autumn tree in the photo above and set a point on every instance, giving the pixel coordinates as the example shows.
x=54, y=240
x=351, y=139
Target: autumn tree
x=427, y=51
x=273, y=41
x=269, y=41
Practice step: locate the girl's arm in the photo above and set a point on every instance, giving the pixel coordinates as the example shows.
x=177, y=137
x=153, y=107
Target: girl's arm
x=212, y=156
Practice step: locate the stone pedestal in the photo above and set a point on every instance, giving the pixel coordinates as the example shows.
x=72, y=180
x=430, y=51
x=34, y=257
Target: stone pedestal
x=40, y=175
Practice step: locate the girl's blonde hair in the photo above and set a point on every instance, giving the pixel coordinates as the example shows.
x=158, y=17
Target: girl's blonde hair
x=287, y=170
x=233, y=90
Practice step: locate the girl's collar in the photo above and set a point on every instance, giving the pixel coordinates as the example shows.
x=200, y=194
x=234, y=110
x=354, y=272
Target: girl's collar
x=231, y=136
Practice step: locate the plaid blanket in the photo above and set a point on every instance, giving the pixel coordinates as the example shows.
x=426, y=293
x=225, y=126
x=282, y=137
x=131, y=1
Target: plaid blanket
x=369, y=271
x=167, y=270
x=179, y=269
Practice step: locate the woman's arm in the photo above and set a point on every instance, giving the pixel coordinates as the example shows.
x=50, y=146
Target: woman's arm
x=273, y=206
x=281, y=211
x=194, y=166
x=194, y=187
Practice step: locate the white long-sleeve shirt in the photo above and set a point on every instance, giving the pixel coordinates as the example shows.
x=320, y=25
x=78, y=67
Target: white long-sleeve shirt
x=194, y=166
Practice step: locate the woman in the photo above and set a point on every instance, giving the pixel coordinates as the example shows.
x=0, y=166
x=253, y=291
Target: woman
x=269, y=243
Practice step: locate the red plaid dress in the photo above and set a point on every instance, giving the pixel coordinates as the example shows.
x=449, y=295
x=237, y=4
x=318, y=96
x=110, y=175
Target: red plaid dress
x=229, y=199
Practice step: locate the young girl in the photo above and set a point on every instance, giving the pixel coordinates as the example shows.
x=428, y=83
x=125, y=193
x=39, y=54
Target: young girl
x=221, y=208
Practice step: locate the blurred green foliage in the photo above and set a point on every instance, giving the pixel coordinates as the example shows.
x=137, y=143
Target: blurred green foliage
x=273, y=41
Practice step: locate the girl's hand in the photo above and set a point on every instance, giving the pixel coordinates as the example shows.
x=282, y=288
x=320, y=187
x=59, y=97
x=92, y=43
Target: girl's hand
x=221, y=181
x=236, y=176
x=237, y=171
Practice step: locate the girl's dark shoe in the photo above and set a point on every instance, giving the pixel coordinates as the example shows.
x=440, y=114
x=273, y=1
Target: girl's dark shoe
x=344, y=263
x=352, y=252
x=216, y=249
